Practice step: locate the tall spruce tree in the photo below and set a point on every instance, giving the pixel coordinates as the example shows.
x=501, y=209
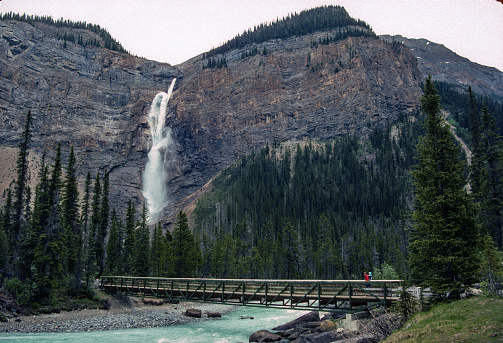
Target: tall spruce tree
x=186, y=253
x=492, y=189
x=444, y=238
x=102, y=227
x=157, y=252
x=129, y=239
x=48, y=251
x=141, y=246
x=6, y=228
x=91, y=263
x=70, y=220
x=20, y=189
x=84, y=224
x=114, y=247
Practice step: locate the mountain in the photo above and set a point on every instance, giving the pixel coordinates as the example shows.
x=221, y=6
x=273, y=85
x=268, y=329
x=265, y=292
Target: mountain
x=316, y=86
x=446, y=66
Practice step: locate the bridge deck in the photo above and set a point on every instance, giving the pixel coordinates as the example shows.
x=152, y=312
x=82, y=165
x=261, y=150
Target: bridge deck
x=327, y=295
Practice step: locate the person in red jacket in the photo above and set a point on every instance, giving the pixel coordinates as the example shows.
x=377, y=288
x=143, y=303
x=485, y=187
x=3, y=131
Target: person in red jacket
x=367, y=278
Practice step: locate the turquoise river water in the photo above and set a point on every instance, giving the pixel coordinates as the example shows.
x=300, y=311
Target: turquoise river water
x=230, y=328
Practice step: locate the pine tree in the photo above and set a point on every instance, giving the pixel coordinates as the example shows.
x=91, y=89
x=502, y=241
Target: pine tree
x=70, y=219
x=186, y=253
x=113, y=261
x=91, y=263
x=20, y=189
x=102, y=227
x=157, y=252
x=444, y=238
x=6, y=226
x=492, y=189
x=141, y=246
x=129, y=239
x=84, y=224
x=47, y=257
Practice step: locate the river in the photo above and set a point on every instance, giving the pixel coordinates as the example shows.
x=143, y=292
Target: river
x=230, y=328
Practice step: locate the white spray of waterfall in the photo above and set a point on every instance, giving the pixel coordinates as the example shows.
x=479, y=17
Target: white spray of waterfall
x=155, y=175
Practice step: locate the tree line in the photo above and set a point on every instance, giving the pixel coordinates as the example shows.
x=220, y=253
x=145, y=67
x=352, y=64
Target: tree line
x=106, y=38
x=324, y=18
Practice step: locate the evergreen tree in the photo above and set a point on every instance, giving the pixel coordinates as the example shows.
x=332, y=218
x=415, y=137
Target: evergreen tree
x=492, y=189
x=84, y=224
x=129, y=239
x=141, y=246
x=157, y=252
x=91, y=264
x=20, y=189
x=444, y=238
x=6, y=225
x=186, y=253
x=168, y=255
x=102, y=227
x=70, y=219
x=113, y=265
x=47, y=257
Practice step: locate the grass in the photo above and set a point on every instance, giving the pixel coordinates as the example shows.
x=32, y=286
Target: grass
x=478, y=319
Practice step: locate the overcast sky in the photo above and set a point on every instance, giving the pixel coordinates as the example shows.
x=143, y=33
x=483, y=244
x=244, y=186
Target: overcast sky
x=175, y=30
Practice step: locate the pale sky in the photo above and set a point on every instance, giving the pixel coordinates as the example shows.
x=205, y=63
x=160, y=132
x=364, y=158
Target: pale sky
x=173, y=31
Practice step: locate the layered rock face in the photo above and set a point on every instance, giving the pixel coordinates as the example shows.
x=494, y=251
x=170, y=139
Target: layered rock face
x=90, y=98
x=446, y=66
x=97, y=101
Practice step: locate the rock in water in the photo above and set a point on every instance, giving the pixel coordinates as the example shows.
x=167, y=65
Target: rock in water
x=307, y=318
x=264, y=336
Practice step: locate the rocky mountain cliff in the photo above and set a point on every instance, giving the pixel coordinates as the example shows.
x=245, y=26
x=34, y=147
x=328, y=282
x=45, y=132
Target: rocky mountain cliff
x=97, y=100
x=446, y=66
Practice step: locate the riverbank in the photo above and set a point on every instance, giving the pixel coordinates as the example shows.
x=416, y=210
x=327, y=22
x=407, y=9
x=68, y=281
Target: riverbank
x=126, y=313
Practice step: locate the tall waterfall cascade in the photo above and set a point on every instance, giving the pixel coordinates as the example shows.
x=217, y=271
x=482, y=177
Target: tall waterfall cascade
x=155, y=175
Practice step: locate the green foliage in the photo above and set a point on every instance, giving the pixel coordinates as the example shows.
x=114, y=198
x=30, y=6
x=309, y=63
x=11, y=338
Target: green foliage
x=129, y=239
x=459, y=321
x=322, y=210
x=385, y=272
x=445, y=236
x=406, y=304
x=113, y=265
x=20, y=195
x=25, y=293
x=186, y=253
x=323, y=18
x=491, y=270
x=140, y=265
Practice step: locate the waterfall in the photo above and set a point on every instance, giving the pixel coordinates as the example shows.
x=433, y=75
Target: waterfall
x=155, y=175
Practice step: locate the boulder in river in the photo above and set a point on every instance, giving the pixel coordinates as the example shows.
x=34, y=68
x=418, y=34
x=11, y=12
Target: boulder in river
x=264, y=336
x=307, y=318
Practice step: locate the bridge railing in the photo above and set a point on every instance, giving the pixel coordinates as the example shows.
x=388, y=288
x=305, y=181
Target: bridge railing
x=336, y=295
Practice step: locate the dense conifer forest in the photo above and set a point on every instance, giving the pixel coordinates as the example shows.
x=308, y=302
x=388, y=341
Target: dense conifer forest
x=312, y=210
x=323, y=18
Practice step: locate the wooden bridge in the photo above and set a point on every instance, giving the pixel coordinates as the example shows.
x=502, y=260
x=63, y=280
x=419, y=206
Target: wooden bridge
x=331, y=295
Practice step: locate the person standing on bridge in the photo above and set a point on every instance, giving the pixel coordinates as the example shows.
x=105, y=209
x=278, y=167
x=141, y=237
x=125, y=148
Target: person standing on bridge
x=367, y=278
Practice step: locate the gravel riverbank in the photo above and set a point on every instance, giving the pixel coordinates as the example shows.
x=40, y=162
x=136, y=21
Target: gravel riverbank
x=125, y=314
